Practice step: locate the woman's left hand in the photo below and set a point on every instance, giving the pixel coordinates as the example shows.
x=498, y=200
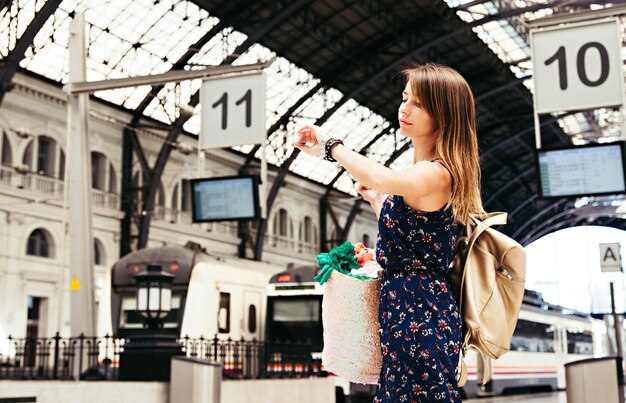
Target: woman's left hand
x=307, y=140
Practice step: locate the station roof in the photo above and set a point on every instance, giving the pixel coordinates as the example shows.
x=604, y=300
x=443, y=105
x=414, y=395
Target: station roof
x=337, y=65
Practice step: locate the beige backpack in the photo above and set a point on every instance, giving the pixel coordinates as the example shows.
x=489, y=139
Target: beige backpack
x=487, y=280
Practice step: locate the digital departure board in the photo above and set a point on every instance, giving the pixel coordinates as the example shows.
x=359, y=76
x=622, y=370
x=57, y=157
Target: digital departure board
x=587, y=170
x=225, y=198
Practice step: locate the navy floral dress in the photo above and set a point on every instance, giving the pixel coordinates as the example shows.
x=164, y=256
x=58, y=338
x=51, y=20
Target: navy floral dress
x=420, y=325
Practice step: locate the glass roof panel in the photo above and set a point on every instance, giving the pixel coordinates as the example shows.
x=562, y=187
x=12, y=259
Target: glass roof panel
x=507, y=38
x=346, y=184
x=148, y=36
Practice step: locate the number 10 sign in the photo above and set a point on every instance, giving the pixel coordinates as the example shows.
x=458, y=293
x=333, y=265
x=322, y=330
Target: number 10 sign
x=233, y=110
x=577, y=66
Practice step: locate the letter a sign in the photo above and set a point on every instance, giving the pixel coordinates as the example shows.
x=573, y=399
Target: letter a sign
x=610, y=257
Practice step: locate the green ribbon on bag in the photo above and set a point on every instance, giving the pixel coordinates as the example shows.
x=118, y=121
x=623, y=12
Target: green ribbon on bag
x=340, y=258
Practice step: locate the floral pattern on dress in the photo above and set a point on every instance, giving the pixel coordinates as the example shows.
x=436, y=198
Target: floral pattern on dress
x=419, y=320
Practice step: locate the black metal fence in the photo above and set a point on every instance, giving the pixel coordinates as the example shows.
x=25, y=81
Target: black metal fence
x=97, y=358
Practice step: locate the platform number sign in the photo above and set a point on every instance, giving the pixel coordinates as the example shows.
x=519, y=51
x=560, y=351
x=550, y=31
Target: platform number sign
x=610, y=257
x=577, y=66
x=233, y=111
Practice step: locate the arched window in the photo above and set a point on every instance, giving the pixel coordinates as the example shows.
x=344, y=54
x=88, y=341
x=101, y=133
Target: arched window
x=99, y=257
x=7, y=155
x=98, y=170
x=281, y=223
x=308, y=229
x=40, y=244
x=45, y=157
x=103, y=175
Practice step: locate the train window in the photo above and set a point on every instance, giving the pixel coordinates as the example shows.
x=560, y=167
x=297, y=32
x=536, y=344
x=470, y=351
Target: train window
x=579, y=342
x=533, y=337
x=296, y=311
x=223, y=314
x=296, y=319
x=251, y=319
x=171, y=319
x=130, y=318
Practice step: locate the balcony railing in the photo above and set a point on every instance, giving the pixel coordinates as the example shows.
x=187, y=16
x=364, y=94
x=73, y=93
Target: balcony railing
x=162, y=213
x=105, y=199
x=226, y=227
x=30, y=181
x=97, y=358
x=281, y=242
x=286, y=243
x=53, y=187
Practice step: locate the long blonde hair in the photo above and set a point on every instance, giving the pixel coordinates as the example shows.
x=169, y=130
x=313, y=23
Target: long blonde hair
x=448, y=99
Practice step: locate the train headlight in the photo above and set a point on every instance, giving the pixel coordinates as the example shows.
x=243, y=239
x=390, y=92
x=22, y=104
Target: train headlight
x=154, y=295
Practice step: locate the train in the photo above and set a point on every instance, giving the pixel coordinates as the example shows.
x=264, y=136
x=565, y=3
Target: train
x=212, y=295
x=231, y=298
x=545, y=338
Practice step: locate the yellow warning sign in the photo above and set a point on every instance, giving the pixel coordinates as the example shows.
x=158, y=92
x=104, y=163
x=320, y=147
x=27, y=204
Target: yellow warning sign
x=74, y=284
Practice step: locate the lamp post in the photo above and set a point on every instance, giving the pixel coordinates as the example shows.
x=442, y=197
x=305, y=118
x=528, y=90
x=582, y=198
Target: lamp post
x=147, y=357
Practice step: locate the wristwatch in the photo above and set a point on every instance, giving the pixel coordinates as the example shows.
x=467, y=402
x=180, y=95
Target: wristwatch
x=328, y=146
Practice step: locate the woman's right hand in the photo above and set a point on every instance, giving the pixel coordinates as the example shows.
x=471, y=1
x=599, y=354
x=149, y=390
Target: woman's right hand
x=374, y=198
x=368, y=194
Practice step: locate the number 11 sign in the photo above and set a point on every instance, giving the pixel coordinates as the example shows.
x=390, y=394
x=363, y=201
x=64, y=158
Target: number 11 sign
x=233, y=110
x=577, y=66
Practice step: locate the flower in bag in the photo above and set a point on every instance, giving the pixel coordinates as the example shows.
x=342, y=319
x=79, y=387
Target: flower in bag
x=352, y=260
x=363, y=254
x=368, y=266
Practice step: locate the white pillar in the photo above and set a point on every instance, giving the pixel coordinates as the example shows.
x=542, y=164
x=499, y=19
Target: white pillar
x=78, y=173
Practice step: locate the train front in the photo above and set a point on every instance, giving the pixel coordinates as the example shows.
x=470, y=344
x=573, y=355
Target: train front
x=174, y=260
x=294, y=311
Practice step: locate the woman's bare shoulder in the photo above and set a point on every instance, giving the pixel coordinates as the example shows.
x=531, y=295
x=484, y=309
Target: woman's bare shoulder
x=437, y=179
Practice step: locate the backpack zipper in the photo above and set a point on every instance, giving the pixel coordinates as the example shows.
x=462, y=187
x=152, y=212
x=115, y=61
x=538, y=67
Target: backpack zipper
x=505, y=273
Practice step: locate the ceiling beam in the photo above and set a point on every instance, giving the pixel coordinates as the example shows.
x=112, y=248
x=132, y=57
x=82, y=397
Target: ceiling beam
x=11, y=63
x=177, y=126
x=548, y=209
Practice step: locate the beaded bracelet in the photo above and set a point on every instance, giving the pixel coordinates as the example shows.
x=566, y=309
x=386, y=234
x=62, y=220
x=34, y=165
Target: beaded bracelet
x=328, y=146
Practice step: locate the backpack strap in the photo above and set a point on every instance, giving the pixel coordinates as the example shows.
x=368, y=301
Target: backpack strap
x=489, y=219
x=461, y=372
x=479, y=223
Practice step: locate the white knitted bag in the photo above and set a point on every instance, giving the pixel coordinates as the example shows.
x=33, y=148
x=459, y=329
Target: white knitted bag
x=350, y=320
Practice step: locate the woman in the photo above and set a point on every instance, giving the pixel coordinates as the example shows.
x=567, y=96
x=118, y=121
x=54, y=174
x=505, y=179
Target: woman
x=420, y=324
